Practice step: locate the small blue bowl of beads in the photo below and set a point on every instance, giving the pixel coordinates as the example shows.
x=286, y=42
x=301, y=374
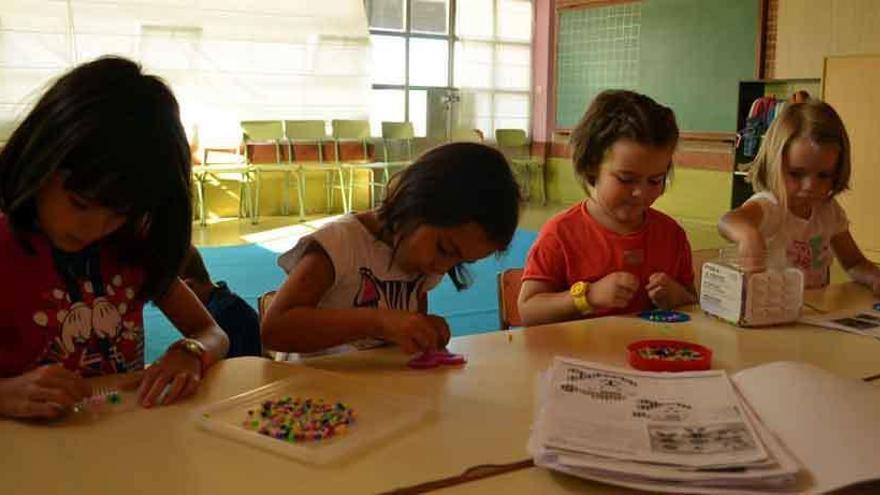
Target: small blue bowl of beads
x=664, y=316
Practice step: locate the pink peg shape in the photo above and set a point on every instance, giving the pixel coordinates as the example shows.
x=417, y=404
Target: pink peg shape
x=432, y=359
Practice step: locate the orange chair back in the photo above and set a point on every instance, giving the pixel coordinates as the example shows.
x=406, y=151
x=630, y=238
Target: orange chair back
x=509, y=282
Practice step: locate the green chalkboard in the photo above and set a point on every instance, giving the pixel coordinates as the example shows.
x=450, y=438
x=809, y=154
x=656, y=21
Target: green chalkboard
x=687, y=54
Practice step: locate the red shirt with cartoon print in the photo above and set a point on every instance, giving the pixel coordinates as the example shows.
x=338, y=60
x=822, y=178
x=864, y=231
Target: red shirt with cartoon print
x=95, y=332
x=573, y=246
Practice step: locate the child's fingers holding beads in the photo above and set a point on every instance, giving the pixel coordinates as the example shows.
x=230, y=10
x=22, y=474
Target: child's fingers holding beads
x=58, y=377
x=441, y=328
x=657, y=280
x=59, y=396
x=628, y=281
x=47, y=410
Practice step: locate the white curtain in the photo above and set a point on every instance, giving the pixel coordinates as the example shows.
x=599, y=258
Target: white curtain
x=226, y=60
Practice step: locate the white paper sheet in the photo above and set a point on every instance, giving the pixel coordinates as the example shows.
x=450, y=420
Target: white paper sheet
x=829, y=423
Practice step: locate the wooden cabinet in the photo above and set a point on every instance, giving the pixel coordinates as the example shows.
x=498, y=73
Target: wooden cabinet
x=851, y=84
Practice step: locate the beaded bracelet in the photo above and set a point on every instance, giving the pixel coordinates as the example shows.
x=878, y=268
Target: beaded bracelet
x=300, y=420
x=99, y=399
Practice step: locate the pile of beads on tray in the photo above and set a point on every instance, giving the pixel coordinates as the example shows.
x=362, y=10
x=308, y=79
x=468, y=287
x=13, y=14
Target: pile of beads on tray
x=299, y=420
x=670, y=353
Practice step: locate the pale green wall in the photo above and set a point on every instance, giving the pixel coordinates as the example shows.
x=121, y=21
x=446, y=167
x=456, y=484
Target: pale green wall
x=695, y=194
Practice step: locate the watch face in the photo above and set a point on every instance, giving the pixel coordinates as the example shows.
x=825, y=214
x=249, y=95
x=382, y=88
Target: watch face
x=578, y=288
x=194, y=347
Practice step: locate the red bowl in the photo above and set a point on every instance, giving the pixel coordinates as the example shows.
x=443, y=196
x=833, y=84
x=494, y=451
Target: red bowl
x=665, y=360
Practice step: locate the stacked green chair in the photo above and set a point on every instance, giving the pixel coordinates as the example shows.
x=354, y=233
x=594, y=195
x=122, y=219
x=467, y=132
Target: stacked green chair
x=395, y=135
x=356, y=131
x=517, y=147
x=222, y=164
x=467, y=135
x=312, y=132
x=269, y=132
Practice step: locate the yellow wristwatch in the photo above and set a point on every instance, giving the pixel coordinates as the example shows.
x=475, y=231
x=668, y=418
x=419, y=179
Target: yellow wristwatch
x=194, y=347
x=578, y=293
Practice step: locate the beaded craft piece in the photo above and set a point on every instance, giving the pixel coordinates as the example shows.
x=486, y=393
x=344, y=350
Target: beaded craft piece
x=664, y=316
x=99, y=400
x=432, y=359
x=299, y=420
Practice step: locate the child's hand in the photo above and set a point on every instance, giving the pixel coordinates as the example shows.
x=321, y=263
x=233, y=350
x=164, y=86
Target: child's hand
x=752, y=253
x=613, y=291
x=178, y=370
x=414, y=332
x=665, y=292
x=44, y=392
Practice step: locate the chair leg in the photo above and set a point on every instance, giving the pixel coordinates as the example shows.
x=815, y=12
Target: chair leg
x=328, y=190
x=343, y=192
x=350, y=206
x=200, y=191
x=245, y=196
x=542, y=183
x=372, y=188
x=285, y=191
x=301, y=194
x=255, y=213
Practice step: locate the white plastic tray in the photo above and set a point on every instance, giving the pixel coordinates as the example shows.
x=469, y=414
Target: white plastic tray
x=379, y=416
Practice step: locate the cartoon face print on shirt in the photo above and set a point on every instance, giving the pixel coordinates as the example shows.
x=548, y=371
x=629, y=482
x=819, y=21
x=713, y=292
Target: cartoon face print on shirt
x=391, y=294
x=98, y=334
x=812, y=258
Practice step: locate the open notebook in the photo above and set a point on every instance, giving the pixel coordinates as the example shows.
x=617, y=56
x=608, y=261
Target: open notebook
x=777, y=428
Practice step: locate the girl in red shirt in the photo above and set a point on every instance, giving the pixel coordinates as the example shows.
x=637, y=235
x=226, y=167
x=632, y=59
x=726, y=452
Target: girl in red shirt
x=612, y=253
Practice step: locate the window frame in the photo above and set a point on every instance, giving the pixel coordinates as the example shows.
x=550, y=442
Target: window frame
x=452, y=39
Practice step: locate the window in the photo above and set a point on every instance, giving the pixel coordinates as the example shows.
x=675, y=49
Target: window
x=484, y=52
x=494, y=61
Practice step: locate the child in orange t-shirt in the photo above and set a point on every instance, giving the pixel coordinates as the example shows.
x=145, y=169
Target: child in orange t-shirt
x=612, y=253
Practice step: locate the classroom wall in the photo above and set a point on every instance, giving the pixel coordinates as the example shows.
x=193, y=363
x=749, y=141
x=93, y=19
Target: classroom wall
x=695, y=195
x=810, y=30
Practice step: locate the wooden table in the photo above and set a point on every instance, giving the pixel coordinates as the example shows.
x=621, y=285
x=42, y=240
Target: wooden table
x=481, y=413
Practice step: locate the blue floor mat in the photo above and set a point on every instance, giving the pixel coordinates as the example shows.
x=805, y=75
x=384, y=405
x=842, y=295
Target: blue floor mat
x=251, y=270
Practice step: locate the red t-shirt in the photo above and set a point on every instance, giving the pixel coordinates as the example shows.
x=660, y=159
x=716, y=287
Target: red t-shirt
x=39, y=324
x=573, y=246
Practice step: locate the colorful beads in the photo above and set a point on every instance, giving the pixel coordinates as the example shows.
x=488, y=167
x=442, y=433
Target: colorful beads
x=299, y=420
x=664, y=353
x=663, y=316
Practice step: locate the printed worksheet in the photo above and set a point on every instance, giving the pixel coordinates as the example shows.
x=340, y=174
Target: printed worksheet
x=687, y=419
x=866, y=322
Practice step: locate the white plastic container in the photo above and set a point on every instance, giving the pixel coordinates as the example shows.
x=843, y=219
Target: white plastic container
x=750, y=299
